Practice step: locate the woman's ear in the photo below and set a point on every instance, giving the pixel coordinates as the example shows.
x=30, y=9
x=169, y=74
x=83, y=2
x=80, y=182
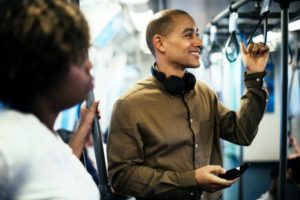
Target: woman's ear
x=158, y=43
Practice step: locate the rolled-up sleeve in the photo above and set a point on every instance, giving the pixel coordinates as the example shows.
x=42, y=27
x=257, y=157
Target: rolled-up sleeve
x=241, y=127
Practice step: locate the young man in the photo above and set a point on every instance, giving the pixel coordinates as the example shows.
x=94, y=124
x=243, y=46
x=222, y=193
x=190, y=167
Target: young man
x=44, y=70
x=164, y=139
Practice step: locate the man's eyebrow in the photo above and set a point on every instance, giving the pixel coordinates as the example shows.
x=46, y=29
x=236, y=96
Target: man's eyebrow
x=190, y=30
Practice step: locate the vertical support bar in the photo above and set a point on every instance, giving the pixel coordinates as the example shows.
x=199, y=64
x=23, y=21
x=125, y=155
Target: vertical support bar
x=241, y=188
x=284, y=79
x=297, y=61
x=104, y=188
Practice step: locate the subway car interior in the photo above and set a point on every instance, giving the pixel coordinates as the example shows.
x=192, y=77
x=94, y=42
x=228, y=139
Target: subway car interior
x=120, y=57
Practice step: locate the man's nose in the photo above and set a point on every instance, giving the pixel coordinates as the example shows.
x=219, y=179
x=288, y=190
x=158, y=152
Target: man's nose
x=198, y=42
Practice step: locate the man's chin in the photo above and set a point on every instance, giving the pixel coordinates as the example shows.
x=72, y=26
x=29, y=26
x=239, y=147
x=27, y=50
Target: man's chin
x=194, y=66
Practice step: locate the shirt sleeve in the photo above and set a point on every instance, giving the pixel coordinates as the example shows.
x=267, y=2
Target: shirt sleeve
x=126, y=171
x=241, y=127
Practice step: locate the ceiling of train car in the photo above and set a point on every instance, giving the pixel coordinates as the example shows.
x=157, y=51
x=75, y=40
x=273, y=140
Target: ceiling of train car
x=205, y=10
x=202, y=10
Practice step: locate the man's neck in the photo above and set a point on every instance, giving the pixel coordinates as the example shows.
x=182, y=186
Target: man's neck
x=170, y=70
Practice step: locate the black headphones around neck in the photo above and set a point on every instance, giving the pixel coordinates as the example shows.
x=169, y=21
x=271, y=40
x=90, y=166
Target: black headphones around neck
x=174, y=84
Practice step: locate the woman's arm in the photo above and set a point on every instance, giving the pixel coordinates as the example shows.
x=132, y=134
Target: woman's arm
x=82, y=134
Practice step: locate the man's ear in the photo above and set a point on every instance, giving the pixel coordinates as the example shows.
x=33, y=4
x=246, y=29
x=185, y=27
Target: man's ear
x=158, y=43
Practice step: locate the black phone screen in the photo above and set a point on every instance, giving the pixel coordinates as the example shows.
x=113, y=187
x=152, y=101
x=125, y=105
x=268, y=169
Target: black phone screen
x=235, y=172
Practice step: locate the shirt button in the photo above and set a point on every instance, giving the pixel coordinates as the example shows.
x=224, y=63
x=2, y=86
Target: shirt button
x=196, y=145
x=258, y=79
x=192, y=193
x=191, y=120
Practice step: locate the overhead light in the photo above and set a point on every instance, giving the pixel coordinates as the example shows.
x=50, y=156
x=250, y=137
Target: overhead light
x=272, y=39
x=293, y=26
x=271, y=36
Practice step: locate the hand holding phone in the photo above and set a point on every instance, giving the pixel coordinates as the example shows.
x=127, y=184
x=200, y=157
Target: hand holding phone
x=235, y=172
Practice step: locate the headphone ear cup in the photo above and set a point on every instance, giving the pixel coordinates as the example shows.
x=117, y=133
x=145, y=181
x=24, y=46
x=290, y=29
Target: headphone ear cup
x=190, y=81
x=174, y=85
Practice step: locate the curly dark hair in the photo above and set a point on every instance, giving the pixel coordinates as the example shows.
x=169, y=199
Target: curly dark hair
x=39, y=40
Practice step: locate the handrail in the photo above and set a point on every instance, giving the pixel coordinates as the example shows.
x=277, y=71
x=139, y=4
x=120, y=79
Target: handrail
x=104, y=188
x=226, y=12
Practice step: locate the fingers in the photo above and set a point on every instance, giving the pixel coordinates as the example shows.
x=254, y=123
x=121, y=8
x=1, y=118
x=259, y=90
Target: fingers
x=216, y=169
x=94, y=109
x=250, y=47
x=257, y=49
x=243, y=48
x=83, y=108
x=216, y=183
x=207, y=178
x=83, y=105
x=90, y=113
x=221, y=184
x=94, y=106
x=292, y=156
x=224, y=182
x=264, y=48
x=98, y=111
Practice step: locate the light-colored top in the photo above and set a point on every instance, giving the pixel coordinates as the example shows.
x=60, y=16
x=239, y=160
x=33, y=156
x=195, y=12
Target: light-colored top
x=36, y=164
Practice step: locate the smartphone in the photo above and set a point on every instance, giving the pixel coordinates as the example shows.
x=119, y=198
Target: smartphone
x=235, y=172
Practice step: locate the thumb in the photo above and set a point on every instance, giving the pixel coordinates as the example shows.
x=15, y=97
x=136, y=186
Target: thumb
x=217, y=169
x=94, y=106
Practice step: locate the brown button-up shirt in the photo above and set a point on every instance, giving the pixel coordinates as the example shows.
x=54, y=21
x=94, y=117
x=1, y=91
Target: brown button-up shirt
x=156, y=140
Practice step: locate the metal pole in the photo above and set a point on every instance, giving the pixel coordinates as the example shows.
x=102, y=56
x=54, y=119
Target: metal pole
x=297, y=61
x=284, y=78
x=105, y=191
x=241, y=190
x=226, y=12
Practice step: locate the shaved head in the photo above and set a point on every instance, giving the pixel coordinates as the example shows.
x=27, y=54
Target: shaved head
x=161, y=24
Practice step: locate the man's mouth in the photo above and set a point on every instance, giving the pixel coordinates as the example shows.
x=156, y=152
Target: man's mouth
x=195, y=53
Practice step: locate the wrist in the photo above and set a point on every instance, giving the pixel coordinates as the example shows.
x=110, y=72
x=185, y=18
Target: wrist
x=253, y=72
x=254, y=79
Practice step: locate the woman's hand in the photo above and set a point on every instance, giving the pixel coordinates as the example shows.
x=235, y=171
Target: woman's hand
x=82, y=134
